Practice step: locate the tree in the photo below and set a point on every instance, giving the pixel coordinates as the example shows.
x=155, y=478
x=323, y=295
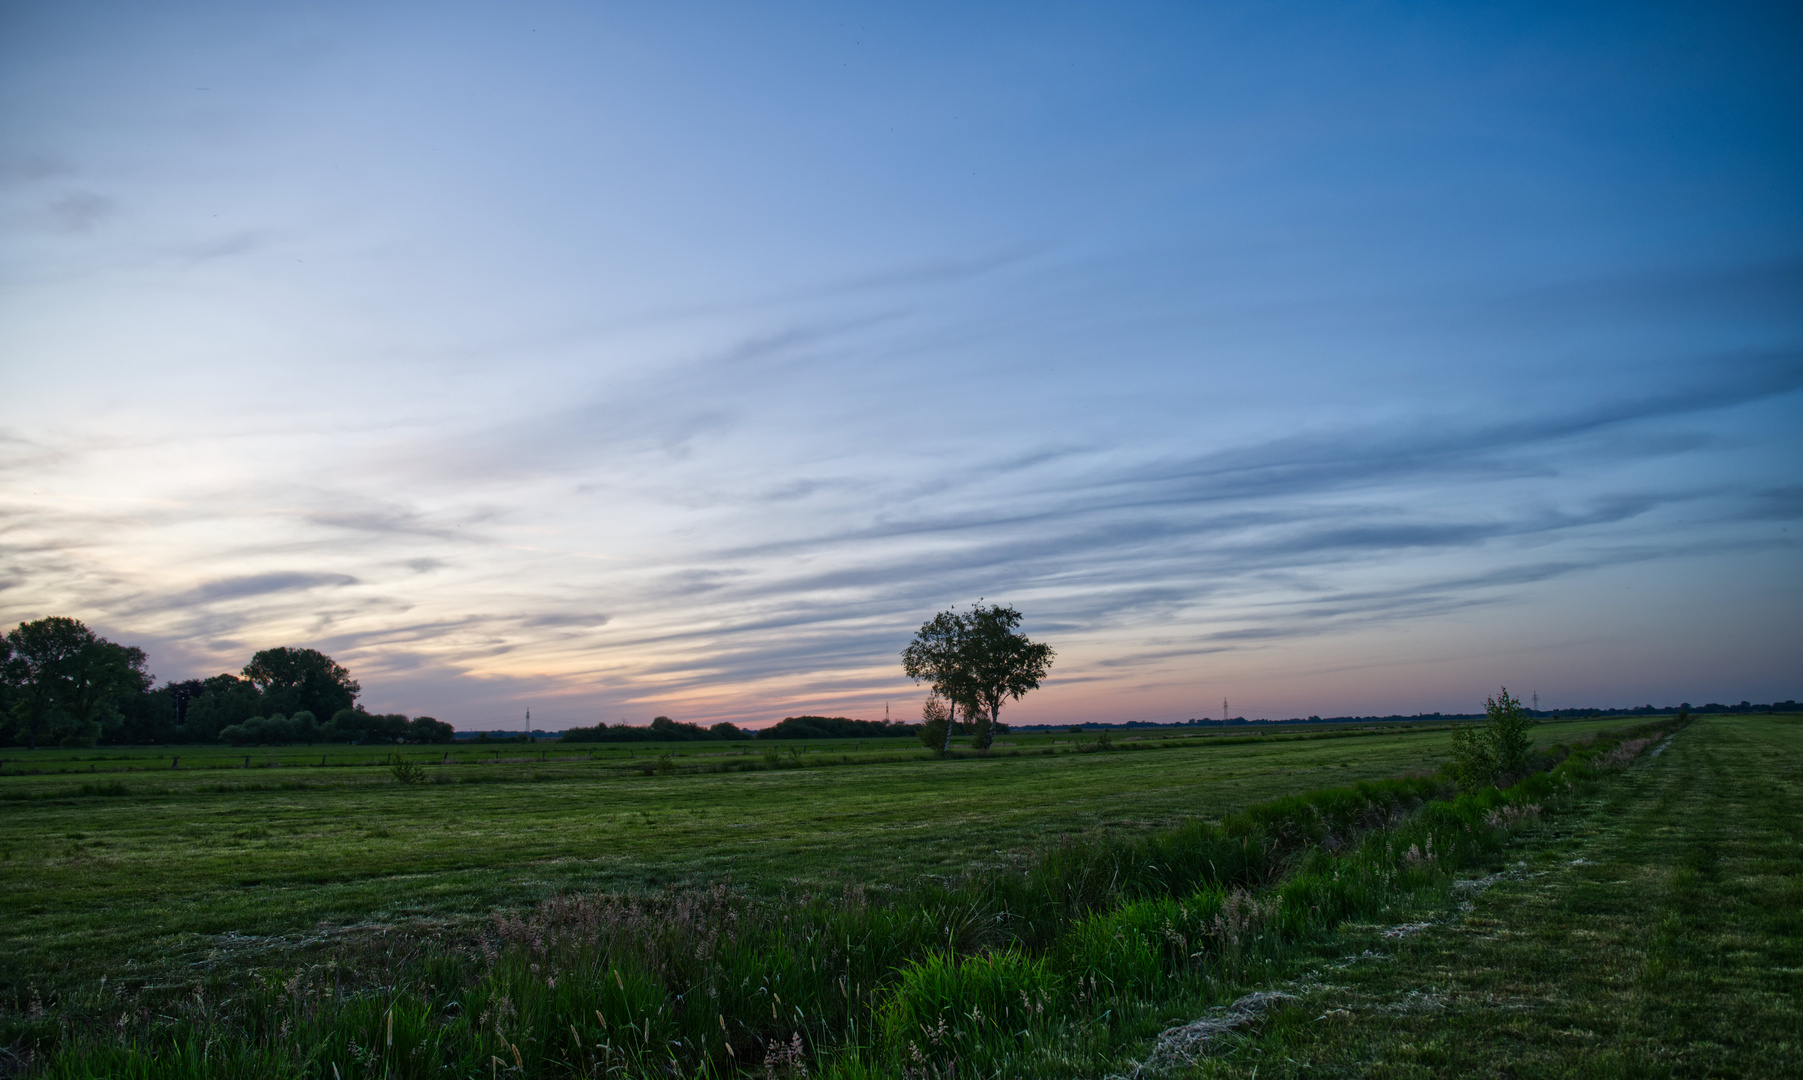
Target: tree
x=425, y=729
x=293, y=679
x=7, y=690
x=1496, y=751
x=976, y=662
x=223, y=700
x=145, y=718
x=936, y=657
x=103, y=674
x=181, y=694
x=67, y=681
x=1003, y=664
x=356, y=726
x=936, y=720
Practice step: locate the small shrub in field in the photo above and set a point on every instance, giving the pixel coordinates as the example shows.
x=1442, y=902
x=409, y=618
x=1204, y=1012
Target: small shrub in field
x=666, y=763
x=407, y=772
x=1104, y=741
x=1497, y=751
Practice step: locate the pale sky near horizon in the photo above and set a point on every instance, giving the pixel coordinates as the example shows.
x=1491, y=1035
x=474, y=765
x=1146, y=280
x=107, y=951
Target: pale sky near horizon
x=617, y=360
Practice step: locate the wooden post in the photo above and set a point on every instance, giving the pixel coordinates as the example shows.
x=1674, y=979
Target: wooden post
x=175, y=762
x=247, y=761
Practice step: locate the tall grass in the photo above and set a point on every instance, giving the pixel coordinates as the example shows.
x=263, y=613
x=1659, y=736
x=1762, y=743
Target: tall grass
x=1054, y=969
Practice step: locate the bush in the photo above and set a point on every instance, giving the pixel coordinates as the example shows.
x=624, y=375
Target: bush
x=1497, y=752
x=407, y=772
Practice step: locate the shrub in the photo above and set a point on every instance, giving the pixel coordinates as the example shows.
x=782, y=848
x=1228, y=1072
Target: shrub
x=1496, y=752
x=407, y=772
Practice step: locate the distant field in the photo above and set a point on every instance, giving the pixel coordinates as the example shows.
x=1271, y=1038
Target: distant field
x=116, y=863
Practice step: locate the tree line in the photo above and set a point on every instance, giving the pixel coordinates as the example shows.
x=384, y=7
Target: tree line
x=664, y=729
x=61, y=684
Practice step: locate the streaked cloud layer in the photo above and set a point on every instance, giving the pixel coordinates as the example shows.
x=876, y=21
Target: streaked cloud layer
x=683, y=360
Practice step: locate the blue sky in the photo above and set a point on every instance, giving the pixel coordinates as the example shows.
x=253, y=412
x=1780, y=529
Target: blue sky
x=623, y=360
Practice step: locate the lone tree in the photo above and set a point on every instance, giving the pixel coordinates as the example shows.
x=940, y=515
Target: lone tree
x=976, y=661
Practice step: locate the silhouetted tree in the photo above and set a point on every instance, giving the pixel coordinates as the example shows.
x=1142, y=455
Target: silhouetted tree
x=291, y=679
x=224, y=700
x=976, y=662
x=936, y=656
x=67, y=681
x=425, y=729
x=1003, y=665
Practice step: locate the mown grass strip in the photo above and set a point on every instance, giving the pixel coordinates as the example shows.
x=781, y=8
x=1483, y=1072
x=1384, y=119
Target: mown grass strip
x=1657, y=931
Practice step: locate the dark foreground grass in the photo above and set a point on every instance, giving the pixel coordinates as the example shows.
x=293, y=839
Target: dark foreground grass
x=1658, y=932
x=1060, y=966
x=150, y=876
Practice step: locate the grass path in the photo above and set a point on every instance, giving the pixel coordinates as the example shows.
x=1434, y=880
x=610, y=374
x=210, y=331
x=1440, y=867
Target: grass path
x=1657, y=933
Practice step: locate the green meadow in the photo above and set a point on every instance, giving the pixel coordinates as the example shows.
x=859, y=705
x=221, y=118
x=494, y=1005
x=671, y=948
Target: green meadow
x=111, y=856
x=1634, y=912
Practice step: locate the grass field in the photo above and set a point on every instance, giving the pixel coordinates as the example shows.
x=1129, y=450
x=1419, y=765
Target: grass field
x=182, y=864
x=1645, y=924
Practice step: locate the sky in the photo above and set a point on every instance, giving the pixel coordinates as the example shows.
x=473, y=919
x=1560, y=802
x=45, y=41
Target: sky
x=616, y=360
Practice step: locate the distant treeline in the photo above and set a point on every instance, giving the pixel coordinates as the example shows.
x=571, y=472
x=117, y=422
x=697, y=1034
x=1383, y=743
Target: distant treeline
x=63, y=685
x=664, y=729
x=1744, y=708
